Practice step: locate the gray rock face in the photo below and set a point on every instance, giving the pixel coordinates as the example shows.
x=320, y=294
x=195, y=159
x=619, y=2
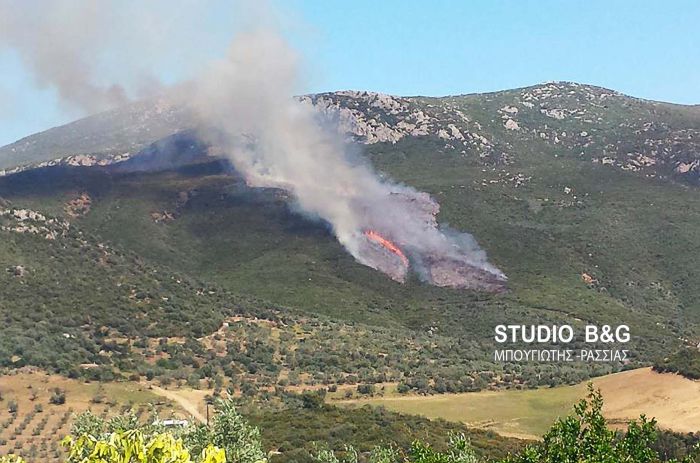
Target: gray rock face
x=27, y=221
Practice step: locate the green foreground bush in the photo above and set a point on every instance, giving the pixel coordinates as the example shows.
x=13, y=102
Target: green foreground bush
x=583, y=437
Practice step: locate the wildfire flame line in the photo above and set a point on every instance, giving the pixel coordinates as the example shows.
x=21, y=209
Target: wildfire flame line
x=387, y=244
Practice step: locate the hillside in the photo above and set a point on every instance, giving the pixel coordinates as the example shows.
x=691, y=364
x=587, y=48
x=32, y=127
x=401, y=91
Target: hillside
x=584, y=197
x=108, y=135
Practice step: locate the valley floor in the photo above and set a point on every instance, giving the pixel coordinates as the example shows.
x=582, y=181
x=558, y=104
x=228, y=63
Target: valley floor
x=673, y=400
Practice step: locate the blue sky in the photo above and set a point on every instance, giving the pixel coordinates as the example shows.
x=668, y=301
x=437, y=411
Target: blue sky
x=644, y=48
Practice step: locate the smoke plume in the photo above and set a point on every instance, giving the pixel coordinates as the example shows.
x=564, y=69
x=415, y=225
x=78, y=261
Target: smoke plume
x=245, y=102
x=57, y=42
x=97, y=55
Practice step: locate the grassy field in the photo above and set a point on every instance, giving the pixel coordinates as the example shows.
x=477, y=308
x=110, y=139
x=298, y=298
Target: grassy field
x=673, y=400
x=525, y=414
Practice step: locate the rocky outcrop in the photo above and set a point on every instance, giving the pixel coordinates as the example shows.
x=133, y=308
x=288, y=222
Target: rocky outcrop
x=32, y=222
x=17, y=271
x=78, y=207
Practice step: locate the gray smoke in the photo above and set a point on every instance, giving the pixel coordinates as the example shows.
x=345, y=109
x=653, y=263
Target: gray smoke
x=275, y=140
x=97, y=55
x=246, y=102
x=57, y=42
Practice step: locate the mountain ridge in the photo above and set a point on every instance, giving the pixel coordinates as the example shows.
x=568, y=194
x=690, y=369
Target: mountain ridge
x=370, y=117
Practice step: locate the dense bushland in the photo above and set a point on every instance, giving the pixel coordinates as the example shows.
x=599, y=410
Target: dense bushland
x=685, y=362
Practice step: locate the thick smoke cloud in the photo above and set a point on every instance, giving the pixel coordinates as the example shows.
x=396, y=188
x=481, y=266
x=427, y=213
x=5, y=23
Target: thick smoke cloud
x=275, y=140
x=245, y=102
x=58, y=43
x=98, y=55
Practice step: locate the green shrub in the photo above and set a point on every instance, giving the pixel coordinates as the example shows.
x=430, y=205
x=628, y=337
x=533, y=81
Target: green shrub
x=58, y=397
x=12, y=407
x=134, y=447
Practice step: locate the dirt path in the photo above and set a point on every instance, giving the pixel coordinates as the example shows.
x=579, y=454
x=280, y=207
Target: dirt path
x=188, y=405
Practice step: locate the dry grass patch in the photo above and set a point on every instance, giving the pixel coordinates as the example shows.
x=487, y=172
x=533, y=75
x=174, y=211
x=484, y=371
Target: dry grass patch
x=33, y=420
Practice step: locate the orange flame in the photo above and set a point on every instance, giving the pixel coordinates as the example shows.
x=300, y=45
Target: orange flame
x=377, y=238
